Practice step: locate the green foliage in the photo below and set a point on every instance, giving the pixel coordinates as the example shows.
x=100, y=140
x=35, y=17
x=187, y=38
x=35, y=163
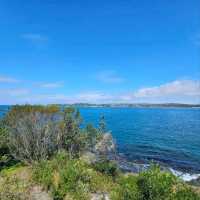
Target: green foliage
x=64, y=176
x=52, y=140
x=42, y=173
x=70, y=132
x=74, y=179
x=184, y=192
x=155, y=184
x=6, y=159
x=152, y=184
x=107, y=167
x=127, y=189
x=92, y=136
x=38, y=132
x=31, y=132
x=3, y=139
x=102, y=125
x=20, y=110
x=9, y=171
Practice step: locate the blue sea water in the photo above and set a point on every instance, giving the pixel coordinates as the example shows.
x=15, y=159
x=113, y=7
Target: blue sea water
x=170, y=136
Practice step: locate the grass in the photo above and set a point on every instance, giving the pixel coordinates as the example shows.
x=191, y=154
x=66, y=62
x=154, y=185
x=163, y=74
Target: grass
x=15, y=182
x=14, y=169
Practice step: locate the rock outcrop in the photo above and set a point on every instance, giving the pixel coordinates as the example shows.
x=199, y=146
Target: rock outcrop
x=106, y=145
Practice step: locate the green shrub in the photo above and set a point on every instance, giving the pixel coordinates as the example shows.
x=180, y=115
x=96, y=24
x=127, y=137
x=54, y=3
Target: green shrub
x=91, y=136
x=107, y=167
x=60, y=159
x=184, y=192
x=3, y=139
x=63, y=176
x=100, y=182
x=155, y=184
x=6, y=160
x=43, y=173
x=127, y=189
x=38, y=132
x=74, y=179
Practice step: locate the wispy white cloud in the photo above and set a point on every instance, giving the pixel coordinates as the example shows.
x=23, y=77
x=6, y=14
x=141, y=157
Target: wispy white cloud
x=52, y=85
x=46, y=99
x=180, y=91
x=18, y=92
x=109, y=76
x=14, y=92
x=84, y=97
x=35, y=37
x=93, y=96
x=13, y=95
x=6, y=79
x=175, y=88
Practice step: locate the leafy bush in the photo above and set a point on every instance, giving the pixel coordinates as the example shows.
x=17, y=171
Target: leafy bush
x=38, y=132
x=184, y=192
x=127, y=189
x=3, y=139
x=32, y=132
x=92, y=136
x=65, y=176
x=75, y=180
x=6, y=159
x=43, y=173
x=102, y=125
x=152, y=184
x=107, y=167
x=155, y=184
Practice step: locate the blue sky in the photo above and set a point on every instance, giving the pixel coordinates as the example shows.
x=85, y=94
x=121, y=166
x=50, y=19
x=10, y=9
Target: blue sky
x=99, y=51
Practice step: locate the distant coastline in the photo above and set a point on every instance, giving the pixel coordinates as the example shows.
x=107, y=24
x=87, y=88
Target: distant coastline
x=136, y=105
x=127, y=105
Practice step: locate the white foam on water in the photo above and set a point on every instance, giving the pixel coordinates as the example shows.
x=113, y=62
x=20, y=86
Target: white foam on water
x=184, y=176
x=137, y=168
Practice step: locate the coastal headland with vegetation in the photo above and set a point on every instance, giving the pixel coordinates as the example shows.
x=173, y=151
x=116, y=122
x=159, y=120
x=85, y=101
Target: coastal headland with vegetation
x=47, y=154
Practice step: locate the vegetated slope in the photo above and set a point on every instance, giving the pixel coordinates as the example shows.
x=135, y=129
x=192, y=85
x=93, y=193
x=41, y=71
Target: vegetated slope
x=47, y=154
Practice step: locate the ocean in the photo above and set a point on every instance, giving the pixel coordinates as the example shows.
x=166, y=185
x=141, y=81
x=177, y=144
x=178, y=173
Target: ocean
x=168, y=136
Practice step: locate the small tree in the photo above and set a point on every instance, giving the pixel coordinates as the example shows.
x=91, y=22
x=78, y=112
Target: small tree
x=32, y=137
x=92, y=135
x=102, y=124
x=71, y=132
x=37, y=132
x=32, y=132
x=3, y=139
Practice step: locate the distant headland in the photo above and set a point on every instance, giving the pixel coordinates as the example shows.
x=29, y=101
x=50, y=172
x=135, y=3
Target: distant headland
x=126, y=105
x=136, y=105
